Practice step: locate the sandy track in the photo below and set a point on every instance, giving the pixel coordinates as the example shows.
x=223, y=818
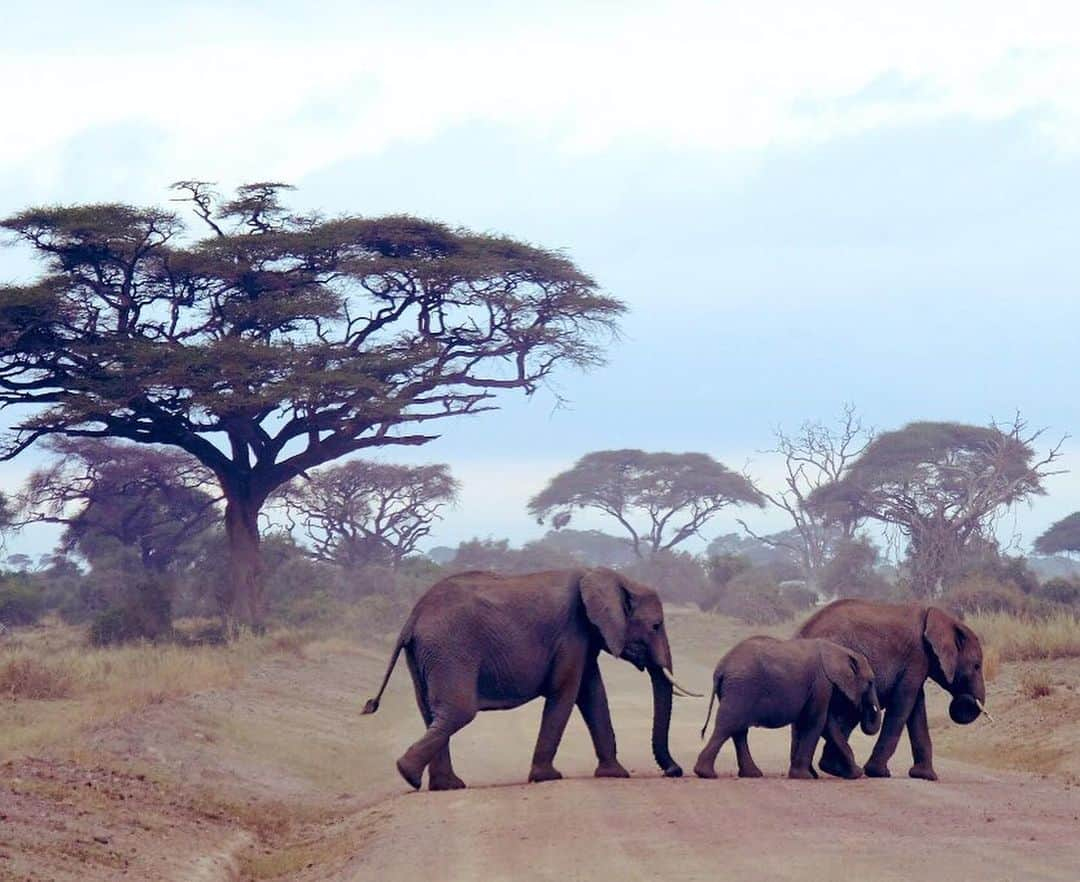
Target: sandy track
x=971, y=824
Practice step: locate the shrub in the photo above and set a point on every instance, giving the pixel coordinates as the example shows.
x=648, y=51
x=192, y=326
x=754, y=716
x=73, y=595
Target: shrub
x=852, y=571
x=678, y=576
x=755, y=598
x=977, y=594
x=798, y=595
x=1060, y=590
x=113, y=625
x=20, y=601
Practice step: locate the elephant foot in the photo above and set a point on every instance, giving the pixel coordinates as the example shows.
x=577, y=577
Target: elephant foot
x=412, y=776
x=704, y=771
x=831, y=767
x=673, y=771
x=613, y=769
x=875, y=771
x=800, y=774
x=751, y=772
x=544, y=773
x=448, y=782
x=926, y=773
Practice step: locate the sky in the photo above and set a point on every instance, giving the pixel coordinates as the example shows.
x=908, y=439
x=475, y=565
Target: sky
x=802, y=204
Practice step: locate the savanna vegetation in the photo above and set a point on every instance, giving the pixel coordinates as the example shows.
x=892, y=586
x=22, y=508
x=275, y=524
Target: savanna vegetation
x=209, y=404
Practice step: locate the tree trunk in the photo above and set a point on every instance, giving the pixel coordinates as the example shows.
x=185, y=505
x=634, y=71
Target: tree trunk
x=245, y=599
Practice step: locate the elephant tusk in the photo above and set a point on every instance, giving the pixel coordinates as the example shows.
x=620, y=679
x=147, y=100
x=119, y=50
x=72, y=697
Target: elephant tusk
x=983, y=710
x=676, y=688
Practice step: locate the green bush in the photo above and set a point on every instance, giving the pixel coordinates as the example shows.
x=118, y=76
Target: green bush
x=978, y=594
x=1060, y=590
x=20, y=601
x=798, y=595
x=755, y=597
x=143, y=613
x=677, y=576
x=115, y=624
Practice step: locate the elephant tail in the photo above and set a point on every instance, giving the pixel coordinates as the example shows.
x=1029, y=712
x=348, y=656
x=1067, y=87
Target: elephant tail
x=372, y=704
x=712, y=698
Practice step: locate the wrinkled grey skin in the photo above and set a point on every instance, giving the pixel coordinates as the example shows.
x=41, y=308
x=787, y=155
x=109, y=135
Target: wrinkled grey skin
x=905, y=643
x=809, y=685
x=481, y=641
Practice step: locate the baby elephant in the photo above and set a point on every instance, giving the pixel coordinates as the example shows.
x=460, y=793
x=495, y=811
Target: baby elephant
x=811, y=685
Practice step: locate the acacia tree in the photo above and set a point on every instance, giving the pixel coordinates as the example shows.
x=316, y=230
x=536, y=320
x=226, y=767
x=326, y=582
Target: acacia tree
x=1062, y=537
x=278, y=342
x=813, y=458
x=153, y=500
x=660, y=499
x=942, y=486
x=361, y=511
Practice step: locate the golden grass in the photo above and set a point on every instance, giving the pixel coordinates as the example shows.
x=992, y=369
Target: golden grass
x=1018, y=638
x=1036, y=684
x=52, y=684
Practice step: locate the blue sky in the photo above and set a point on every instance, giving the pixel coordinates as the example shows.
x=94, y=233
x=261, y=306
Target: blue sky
x=800, y=209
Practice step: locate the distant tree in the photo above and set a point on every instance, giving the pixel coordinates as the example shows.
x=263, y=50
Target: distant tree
x=722, y=569
x=775, y=548
x=592, y=547
x=1062, y=537
x=367, y=512
x=280, y=342
x=677, y=575
x=942, y=486
x=497, y=555
x=660, y=499
x=813, y=458
x=152, y=500
x=851, y=571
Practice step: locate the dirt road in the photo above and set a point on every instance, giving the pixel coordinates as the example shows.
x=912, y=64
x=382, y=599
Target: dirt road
x=280, y=777
x=972, y=824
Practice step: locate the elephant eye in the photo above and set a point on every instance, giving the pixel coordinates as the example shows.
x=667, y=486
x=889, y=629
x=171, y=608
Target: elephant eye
x=657, y=626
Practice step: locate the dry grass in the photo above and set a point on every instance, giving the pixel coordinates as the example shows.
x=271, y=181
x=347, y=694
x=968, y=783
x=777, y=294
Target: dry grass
x=1036, y=684
x=53, y=684
x=1025, y=639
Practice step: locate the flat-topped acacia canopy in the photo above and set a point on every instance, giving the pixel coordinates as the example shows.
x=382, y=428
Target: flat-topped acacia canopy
x=280, y=341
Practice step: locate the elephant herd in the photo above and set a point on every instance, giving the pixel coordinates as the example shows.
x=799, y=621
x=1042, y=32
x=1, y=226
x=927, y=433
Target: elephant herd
x=482, y=641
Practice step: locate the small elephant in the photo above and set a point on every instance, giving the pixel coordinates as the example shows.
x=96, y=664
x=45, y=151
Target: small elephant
x=906, y=643
x=482, y=641
x=807, y=684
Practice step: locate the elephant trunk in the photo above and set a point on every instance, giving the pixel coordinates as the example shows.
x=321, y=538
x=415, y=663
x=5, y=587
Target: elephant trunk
x=871, y=711
x=662, y=692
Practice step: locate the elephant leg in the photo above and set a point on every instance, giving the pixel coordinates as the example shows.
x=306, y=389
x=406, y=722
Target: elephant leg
x=794, y=751
x=922, y=751
x=705, y=767
x=441, y=774
x=593, y=704
x=557, y=709
x=747, y=767
x=805, y=735
x=837, y=758
x=452, y=704
x=896, y=717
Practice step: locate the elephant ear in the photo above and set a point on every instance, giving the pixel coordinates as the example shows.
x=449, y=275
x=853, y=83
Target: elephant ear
x=605, y=604
x=940, y=632
x=842, y=668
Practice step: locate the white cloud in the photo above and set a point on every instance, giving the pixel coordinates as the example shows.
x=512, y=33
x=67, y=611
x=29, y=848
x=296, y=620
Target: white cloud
x=685, y=75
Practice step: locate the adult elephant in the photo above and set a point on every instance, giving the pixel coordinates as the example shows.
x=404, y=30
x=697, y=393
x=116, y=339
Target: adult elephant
x=905, y=644
x=482, y=641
